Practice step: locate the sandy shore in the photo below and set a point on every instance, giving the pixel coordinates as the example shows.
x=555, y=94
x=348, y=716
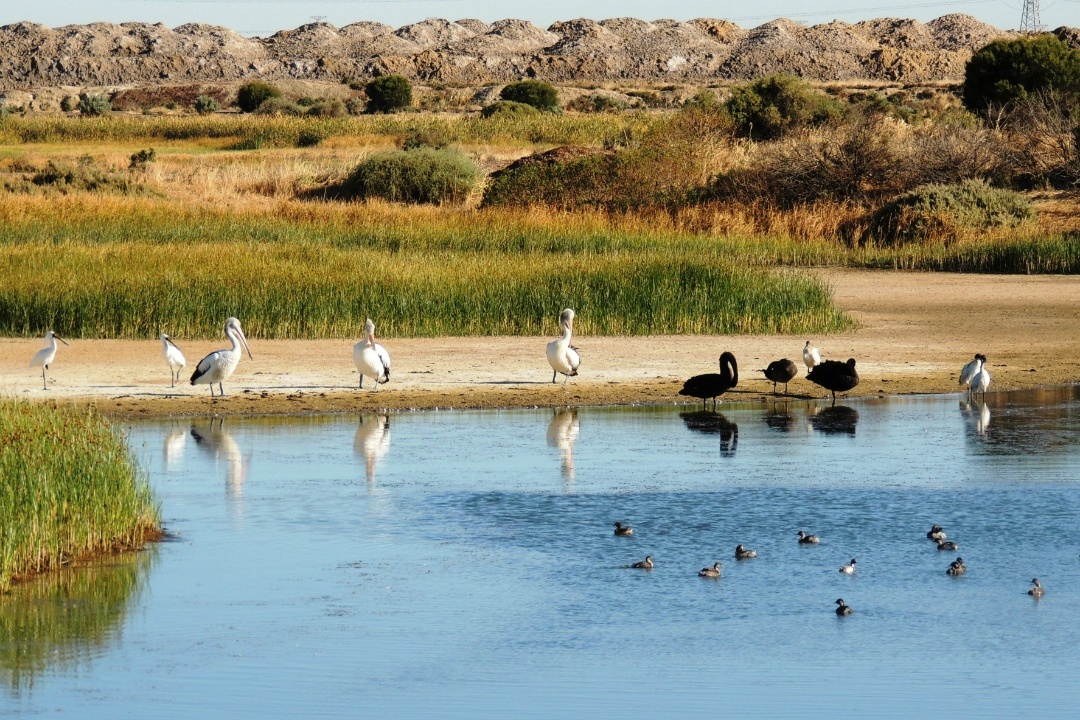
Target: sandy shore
x=916, y=331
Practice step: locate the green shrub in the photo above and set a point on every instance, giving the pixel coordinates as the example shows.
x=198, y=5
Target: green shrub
x=934, y=212
x=355, y=106
x=141, y=159
x=94, y=105
x=596, y=104
x=1010, y=70
x=84, y=177
x=704, y=99
x=204, y=104
x=306, y=102
x=388, y=93
x=69, y=104
x=771, y=106
x=508, y=108
x=433, y=137
x=253, y=94
x=540, y=95
x=328, y=108
x=423, y=175
x=278, y=107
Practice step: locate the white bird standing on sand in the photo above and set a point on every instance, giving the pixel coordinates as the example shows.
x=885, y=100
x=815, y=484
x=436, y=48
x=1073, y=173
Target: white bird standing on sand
x=969, y=371
x=811, y=356
x=173, y=358
x=561, y=355
x=46, y=355
x=981, y=381
x=371, y=358
x=219, y=365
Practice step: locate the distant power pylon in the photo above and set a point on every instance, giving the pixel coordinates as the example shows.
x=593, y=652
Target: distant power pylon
x=1029, y=19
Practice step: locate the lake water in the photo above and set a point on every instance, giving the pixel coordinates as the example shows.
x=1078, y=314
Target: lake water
x=463, y=565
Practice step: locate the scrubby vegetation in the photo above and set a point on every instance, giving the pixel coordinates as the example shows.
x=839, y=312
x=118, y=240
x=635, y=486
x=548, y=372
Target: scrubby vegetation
x=251, y=96
x=540, y=95
x=1010, y=71
x=57, y=506
x=418, y=175
x=772, y=106
x=388, y=93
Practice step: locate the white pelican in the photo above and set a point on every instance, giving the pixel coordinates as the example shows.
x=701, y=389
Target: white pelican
x=811, y=356
x=46, y=355
x=220, y=364
x=561, y=355
x=371, y=358
x=969, y=371
x=173, y=358
x=981, y=381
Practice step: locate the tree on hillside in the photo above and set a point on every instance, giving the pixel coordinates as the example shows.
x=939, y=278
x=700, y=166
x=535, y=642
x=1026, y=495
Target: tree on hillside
x=1009, y=71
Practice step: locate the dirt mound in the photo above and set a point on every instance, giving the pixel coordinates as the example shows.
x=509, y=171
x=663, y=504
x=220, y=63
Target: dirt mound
x=473, y=53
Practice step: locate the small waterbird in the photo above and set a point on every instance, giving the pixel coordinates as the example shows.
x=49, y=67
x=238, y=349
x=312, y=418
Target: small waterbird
x=220, y=364
x=947, y=545
x=712, y=385
x=956, y=567
x=936, y=533
x=1037, y=590
x=742, y=553
x=835, y=376
x=968, y=372
x=781, y=371
x=46, y=355
x=623, y=530
x=842, y=608
x=811, y=356
x=561, y=355
x=805, y=539
x=711, y=572
x=645, y=564
x=848, y=569
x=173, y=358
x=981, y=381
x=371, y=358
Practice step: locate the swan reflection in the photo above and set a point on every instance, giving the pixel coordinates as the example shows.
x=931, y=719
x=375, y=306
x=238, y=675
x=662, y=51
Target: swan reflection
x=714, y=423
x=834, y=420
x=562, y=433
x=780, y=420
x=218, y=444
x=372, y=441
x=173, y=446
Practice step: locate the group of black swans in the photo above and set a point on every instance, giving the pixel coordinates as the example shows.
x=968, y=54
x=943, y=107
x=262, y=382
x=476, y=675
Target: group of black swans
x=830, y=374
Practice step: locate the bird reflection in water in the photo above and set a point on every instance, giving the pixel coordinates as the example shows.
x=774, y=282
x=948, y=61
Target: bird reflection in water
x=372, y=442
x=714, y=423
x=834, y=420
x=562, y=433
x=779, y=418
x=172, y=449
x=977, y=413
x=219, y=445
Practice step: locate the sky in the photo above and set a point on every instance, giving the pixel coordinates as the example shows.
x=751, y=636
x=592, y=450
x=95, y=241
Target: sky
x=265, y=17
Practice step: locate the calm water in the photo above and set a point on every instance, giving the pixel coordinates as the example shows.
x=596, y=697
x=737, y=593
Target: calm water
x=463, y=565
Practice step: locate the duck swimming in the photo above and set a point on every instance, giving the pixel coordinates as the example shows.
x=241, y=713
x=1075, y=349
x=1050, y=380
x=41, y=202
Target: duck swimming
x=848, y=569
x=947, y=545
x=623, y=530
x=957, y=568
x=1036, y=591
x=710, y=572
x=842, y=608
x=645, y=564
x=805, y=539
x=742, y=553
x=936, y=533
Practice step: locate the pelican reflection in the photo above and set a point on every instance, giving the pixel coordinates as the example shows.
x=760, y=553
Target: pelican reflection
x=562, y=433
x=173, y=446
x=372, y=441
x=835, y=420
x=218, y=444
x=714, y=423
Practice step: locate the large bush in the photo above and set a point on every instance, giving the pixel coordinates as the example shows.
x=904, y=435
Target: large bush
x=947, y=212
x=508, y=108
x=772, y=106
x=388, y=93
x=253, y=94
x=205, y=104
x=423, y=175
x=540, y=95
x=1006, y=71
x=94, y=105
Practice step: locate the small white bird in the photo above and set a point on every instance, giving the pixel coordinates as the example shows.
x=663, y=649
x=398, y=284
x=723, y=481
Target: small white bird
x=46, y=355
x=219, y=365
x=371, y=358
x=981, y=381
x=173, y=358
x=561, y=355
x=969, y=371
x=811, y=356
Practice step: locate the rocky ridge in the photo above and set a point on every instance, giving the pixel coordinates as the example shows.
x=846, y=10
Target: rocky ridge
x=473, y=53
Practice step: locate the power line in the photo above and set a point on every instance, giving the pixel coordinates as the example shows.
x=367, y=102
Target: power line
x=1030, y=22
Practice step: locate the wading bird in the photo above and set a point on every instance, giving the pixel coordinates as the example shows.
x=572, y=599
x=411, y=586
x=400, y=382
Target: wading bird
x=220, y=364
x=781, y=371
x=46, y=355
x=712, y=385
x=981, y=381
x=811, y=356
x=173, y=358
x=371, y=358
x=835, y=376
x=841, y=608
x=561, y=355
x=968, y=372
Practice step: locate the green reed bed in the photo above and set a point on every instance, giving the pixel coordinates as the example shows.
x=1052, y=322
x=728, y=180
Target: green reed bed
x=68, y=488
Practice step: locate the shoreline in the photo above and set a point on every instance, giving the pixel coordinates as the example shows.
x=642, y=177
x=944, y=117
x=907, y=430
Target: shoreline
x=916, y=330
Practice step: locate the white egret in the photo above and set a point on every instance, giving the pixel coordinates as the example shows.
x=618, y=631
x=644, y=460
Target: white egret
x=981, y=381
x=561, y=355
x=220, y=364
x=811, y=356
x=371, y=358
x=46, y=355
x=969, y=371
x=173, y=358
